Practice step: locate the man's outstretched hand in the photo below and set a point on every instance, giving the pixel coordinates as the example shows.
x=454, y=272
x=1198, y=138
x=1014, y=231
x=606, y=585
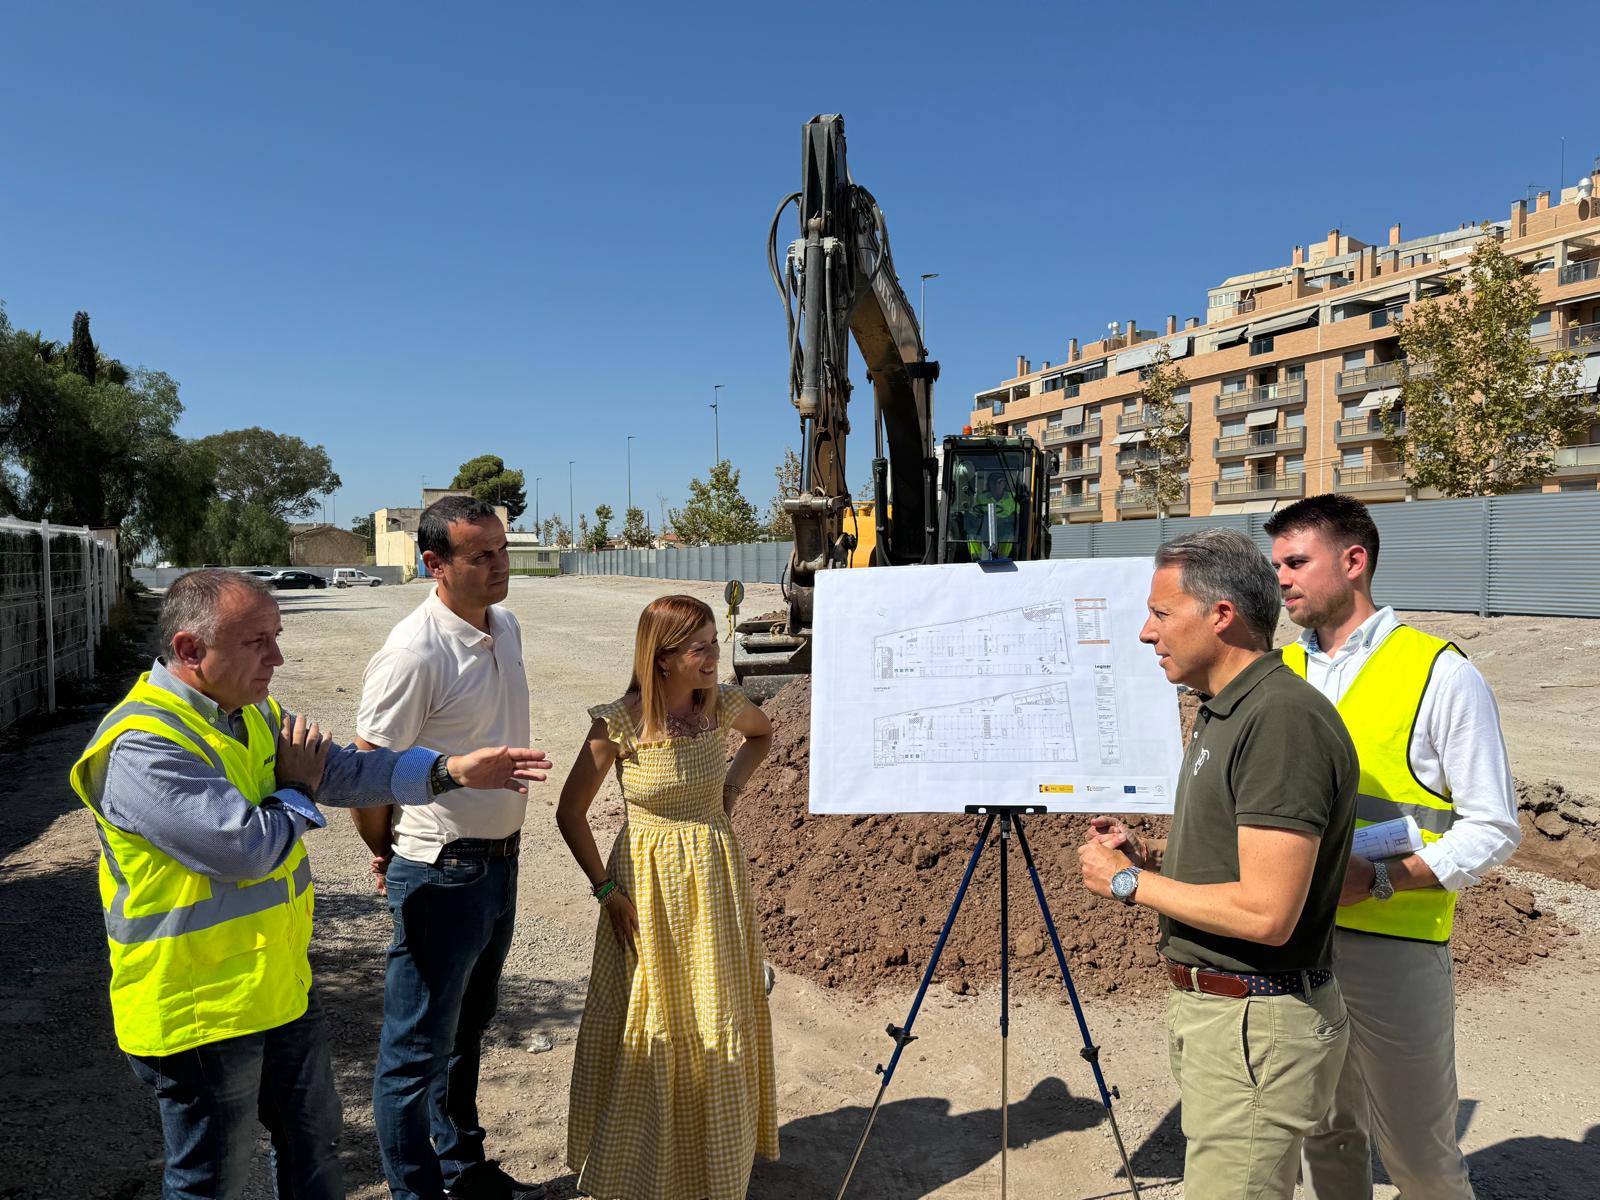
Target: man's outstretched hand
x=509, y=767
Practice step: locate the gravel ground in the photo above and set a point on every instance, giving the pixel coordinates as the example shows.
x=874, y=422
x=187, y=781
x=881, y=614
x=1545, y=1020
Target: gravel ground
x=1530, y=1068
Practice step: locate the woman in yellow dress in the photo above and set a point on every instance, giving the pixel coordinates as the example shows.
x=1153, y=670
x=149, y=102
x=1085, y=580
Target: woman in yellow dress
x=673, y=1091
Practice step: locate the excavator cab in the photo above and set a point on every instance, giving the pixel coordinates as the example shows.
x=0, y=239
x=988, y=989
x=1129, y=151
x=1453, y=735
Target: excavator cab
x=993, y=500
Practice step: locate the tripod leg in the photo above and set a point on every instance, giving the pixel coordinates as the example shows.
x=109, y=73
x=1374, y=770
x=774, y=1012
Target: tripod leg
x=1005, y=996
x=902, y=1034
x=1090, y=1052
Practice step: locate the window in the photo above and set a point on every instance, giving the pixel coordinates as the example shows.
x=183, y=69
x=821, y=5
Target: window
x=1540, y=325
x=1233, y=470
x=1352, y=409
x=1234, y=383
x=1181, y=396
x=1294, y=420
x=1294, y=464
x=1050, y=383
x=1354, y=359
x=1295, y=373
x=1353, y=458
x=1094, y=487
x=1261, y=345
x=998, y=408
x=1233, y=428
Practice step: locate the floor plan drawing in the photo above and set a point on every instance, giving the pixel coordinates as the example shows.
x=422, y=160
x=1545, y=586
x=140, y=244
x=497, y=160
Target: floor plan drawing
x=1018, y=727
x=1029, y=641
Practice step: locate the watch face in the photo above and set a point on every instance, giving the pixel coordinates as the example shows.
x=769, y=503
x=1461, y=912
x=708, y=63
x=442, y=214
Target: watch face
x=1123, y=883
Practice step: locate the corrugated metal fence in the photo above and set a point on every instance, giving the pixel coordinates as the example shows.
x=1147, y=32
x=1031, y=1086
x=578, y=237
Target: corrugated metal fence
x=57, y=588
x=1532, y=554
x=753, y=562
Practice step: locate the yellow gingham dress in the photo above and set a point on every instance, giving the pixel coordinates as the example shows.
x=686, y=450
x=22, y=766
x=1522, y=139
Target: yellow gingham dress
x=673, y=1087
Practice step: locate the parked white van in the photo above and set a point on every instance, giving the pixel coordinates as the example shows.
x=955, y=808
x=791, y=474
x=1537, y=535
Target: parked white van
x=351, y=577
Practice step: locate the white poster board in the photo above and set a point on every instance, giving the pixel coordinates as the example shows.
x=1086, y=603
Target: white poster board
x=938, y=687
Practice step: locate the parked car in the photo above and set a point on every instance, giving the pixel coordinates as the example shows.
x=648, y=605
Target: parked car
x=265, y=575
x=298, y=579
x=351, y=577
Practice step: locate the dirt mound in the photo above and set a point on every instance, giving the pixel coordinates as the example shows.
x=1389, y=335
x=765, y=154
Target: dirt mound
x=1560, y=833
x=857, y=902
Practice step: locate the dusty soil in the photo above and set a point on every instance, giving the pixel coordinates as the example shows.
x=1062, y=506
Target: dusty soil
x=74, y=1122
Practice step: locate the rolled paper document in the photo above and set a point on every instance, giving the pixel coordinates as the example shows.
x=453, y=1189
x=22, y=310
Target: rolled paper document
x=1387, y=839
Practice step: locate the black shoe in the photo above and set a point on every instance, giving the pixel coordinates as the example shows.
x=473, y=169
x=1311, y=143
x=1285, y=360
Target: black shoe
x=486, y=1181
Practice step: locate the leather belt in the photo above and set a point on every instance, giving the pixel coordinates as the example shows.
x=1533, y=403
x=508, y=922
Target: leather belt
x=1238, y=986
x=506, y=847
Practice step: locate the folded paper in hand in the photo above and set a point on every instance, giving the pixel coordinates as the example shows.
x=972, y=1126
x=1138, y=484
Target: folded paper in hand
x=1387, y=839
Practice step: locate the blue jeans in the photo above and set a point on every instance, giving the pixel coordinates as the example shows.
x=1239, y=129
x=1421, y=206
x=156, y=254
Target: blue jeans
x=452, y=927
x=212, y=1096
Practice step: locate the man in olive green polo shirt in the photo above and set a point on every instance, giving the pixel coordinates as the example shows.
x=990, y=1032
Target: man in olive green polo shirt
x=1248, y=883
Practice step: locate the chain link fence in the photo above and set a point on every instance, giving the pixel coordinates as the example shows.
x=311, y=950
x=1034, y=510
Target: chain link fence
x=58, y=585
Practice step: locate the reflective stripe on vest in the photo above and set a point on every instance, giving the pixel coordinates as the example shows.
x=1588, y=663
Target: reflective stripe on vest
x=1380, y=711
x=195, y=959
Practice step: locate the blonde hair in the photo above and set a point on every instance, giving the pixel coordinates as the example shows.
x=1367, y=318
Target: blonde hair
x=664, y=626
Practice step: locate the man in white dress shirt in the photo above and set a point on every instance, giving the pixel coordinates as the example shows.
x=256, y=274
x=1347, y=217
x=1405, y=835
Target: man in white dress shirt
x=1427, y=730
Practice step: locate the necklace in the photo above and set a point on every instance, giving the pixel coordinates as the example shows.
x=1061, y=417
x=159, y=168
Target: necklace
x=692, y=725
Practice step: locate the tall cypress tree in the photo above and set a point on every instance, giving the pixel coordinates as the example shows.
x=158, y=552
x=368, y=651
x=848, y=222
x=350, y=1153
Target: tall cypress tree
x=81, y=355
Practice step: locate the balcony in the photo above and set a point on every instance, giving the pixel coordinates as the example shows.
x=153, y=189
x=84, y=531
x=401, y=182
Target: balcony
x=1080, y=468
x=1084, y=507
x=1578, y=460
x=1359, y=379
x=1574, y=337
x=1580, y=272
x=1056, y=435
x=1380, y=478
x=1365, y=429
x=1268, y=395
x=1130, y=457
x=1137, y=502
x=1140, y=419
x=1259, y=487
x=1268, y=441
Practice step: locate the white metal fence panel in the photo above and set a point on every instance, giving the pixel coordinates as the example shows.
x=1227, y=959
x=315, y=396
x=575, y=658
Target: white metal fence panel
x=753, y=562
x=58, y=585
x=1546, y=555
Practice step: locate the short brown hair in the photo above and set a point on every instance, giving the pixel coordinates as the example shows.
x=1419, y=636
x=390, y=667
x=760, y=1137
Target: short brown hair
x=1342, y=519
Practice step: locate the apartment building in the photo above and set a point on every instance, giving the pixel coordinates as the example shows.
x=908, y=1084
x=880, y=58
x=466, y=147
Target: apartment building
x=1288, y=370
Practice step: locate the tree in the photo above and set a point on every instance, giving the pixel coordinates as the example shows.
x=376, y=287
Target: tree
x=600, y=535
x=634, y=530
x=554, y=532
x=779, y=525
x=583, y=532
x=486, y=478
x=1485, y=409
x=1160, y=474
x=362, y=528
x=263, y=481
x=82, y=358
x=984, y=428
x=717, y=513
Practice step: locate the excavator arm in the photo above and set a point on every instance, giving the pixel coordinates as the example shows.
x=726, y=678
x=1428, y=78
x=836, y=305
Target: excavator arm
x=838, y=285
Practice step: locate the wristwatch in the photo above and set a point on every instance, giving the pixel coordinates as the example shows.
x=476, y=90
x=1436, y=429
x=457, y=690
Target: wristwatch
x=1125, y=883
x=1382, y=889
x=439, y=778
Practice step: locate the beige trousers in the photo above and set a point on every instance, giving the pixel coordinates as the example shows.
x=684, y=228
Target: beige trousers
x=1254, y=1076
x=1398, y=1088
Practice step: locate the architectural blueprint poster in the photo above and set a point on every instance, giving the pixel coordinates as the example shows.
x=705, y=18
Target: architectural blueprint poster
x=938, y=687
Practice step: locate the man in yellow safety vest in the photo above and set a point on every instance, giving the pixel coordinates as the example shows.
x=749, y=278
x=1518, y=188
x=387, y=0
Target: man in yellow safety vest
x=202, y=789
x=1427, y=731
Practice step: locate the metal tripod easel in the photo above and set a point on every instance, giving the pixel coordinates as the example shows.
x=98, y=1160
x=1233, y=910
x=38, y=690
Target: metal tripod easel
x=1010, y=818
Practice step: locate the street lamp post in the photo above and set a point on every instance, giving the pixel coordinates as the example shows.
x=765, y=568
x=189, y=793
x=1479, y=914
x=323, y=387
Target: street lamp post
x=922, y=316
x=538, y=526
x=630, y=477
x=716, y=423
x=572, y=523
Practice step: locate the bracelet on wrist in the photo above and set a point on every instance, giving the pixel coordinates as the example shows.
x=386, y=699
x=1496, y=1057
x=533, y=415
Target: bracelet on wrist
x=604, y=890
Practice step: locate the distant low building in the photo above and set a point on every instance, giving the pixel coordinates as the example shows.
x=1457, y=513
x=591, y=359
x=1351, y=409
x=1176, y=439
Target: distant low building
x=394, y=531
x=325, y=546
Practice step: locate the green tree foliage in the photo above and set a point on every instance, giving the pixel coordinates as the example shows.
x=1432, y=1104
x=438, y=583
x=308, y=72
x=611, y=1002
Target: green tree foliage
x=600, y=534
x=717, y=513
x=1159, y=473
x=486, y=478
x=634, y=530
x=362, y=528
x=554, y=532
x=1485, y=408
x=82, y=358
x=102, y=452
x=779, y=526
x=263, y=481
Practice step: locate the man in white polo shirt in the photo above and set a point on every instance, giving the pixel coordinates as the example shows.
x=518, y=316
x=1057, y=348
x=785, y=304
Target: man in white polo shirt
x=450, y=676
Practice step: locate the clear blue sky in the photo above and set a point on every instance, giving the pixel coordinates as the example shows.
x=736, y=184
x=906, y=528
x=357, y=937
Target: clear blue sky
x=415, y=234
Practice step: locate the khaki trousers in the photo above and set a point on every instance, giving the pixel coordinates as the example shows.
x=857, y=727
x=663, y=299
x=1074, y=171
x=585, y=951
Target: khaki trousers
x=1254, y=1075
x=1398, y=1087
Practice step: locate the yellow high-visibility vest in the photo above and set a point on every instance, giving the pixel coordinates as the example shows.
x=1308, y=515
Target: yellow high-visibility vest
x=194, y=959
x=1380, y=710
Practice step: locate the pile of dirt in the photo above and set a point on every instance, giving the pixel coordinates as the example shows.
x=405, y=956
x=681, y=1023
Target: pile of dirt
x=857, y=902
x=1560, y=833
